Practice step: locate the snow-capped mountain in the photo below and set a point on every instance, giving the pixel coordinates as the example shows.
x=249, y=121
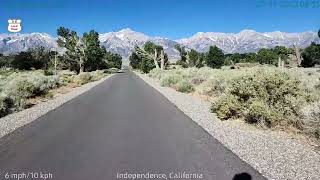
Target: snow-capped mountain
x=247, y=40
x=14, y=43
x=124, y=41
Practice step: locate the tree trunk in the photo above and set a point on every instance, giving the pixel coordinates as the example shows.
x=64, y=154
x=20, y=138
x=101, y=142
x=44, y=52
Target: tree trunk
x=280, y=63
x=155, y=58
x=162, y=59
x=81, y=65
x=188, y=59
x=297, y=54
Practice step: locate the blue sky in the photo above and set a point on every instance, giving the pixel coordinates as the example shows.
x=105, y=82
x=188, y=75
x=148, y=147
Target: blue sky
x=167, y=18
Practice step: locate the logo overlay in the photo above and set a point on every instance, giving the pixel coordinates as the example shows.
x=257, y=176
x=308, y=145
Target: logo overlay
x=14, y=25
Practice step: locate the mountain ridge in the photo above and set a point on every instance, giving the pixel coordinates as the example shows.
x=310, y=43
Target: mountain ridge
x=124, y=41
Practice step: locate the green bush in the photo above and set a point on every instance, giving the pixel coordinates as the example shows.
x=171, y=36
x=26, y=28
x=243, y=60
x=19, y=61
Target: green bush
x=311, y=119
x=6, y=104
x=262, y=94
x=227, y=107
x=22, y=88
x=97, y=75
x=170, y=80
x=260, y=112
x=83, y=78
x=212, y=86
x=184, y=86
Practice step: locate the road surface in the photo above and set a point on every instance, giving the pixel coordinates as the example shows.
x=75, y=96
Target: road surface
x=122, y=127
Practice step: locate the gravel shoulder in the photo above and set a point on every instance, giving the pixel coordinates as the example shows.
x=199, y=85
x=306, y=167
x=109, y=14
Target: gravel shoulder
x=13, y=121
x=275, y=156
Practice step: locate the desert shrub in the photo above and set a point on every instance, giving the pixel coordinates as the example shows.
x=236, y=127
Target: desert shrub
x=48, y=72
x=260, y=112
x=66, y=73
x=212, y=86
x=227, y=107
x=113, y=70
x=184, y=86
x=275, y=92
x=83, y=78
x=6, y=105
x=97, y=75
x=66, y=76
x=311, y=119
x=156, y=73
x=170, y=80
x=23, y=86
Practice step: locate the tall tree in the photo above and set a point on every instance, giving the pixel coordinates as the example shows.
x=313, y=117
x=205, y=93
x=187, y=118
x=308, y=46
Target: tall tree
x=153, y=52
x=23, y=61
x=267, y=56
x=74, y=48
x=113, y=60
x=196, y=59
x=93, y=52
x=215, y=57
x=311, y=55
x=183, y=55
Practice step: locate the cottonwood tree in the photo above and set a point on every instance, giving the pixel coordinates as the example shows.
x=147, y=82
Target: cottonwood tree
x=183, y=61
x=153, y=52
x=74, y=47
x=311, y=55
x=215, y=57
x=93, y=52
x=195, y=58
x=113, y=60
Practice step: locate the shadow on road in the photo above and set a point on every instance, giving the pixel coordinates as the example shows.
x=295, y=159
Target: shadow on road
x=242, y=176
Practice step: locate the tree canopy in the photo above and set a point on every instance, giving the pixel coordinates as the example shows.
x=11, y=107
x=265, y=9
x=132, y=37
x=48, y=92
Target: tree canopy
x=214, y=57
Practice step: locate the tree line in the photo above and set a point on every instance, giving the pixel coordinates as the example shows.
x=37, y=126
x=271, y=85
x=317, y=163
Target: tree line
x=79, y=54
x=148, y=57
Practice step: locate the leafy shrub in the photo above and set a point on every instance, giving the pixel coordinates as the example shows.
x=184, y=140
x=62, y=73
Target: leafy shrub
x=6, y=103
x=260, y=112
x=213, y=86
x=83, y=78
x=184, y=86
x=274, y=92
x=170, y=80
x=22, y=86
x=97, y=75
x=311, y=119
x=67, y=73
x=227, y=107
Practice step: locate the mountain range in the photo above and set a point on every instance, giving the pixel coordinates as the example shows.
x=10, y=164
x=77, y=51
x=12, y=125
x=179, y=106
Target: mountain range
x=123, y=41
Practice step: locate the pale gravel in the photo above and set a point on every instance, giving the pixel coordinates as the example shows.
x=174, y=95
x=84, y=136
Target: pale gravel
x=273, y=155
x=13, y=121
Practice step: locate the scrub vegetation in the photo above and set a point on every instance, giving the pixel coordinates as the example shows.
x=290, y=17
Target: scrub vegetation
x=35, y=72
x=266, y=96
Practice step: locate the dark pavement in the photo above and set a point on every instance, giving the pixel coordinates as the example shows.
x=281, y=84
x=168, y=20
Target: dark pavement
x=120, y=126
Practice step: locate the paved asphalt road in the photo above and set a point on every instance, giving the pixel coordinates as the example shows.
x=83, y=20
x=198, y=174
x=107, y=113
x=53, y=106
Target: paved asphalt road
x=121, y=126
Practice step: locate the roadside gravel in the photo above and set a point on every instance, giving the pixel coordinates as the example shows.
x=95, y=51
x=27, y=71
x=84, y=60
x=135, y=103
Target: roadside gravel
x=13, y=121
x=273, y=155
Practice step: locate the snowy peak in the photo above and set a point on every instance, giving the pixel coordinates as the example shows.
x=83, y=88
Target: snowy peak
x=124, y=41
x=247, y=40
x=14, y=43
